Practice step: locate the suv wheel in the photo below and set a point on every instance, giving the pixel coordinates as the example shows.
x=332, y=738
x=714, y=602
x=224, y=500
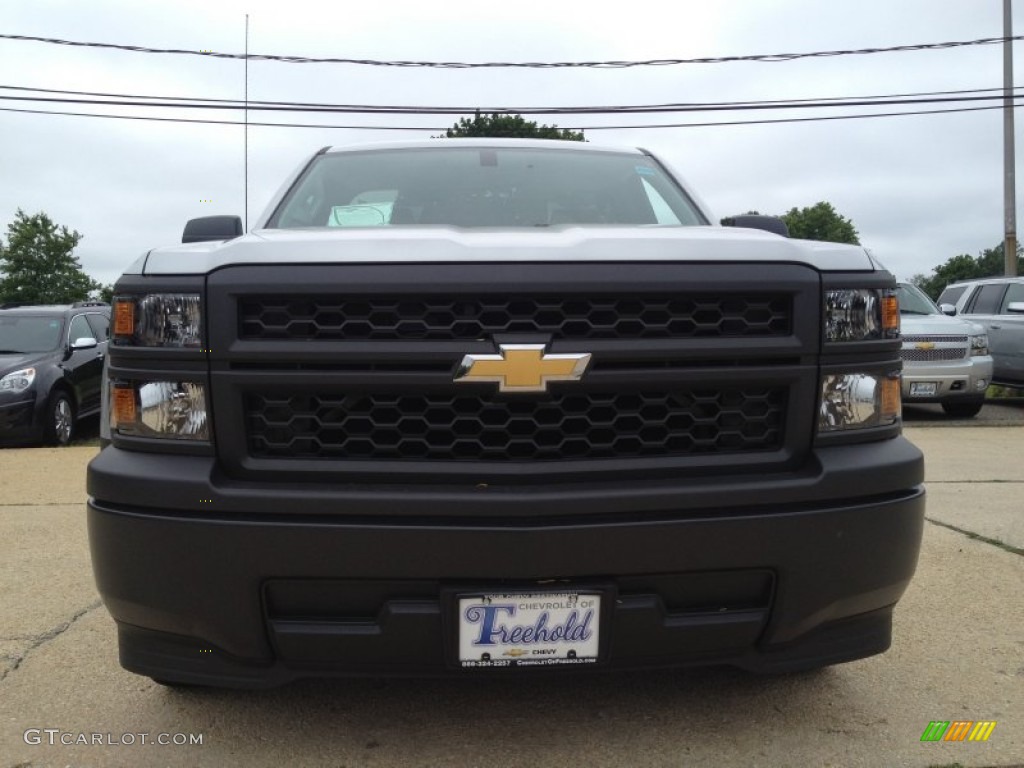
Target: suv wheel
x=60, y=419
x=962, y=410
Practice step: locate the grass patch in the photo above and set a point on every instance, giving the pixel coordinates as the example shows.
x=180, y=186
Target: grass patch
x=999, y=391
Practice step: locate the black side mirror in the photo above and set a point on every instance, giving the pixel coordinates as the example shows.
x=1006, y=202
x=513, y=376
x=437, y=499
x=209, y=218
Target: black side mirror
x=212, y=228
x=772, y=224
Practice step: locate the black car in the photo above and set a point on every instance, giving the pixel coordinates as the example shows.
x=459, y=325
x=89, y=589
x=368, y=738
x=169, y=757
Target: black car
x=51, y=369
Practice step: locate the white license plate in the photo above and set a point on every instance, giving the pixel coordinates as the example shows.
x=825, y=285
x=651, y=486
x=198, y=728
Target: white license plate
x=529, y=629
x=923, y=388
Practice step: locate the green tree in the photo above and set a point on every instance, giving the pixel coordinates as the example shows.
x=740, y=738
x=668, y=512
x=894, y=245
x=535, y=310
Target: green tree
x=104, y=293
x=37, y=265
x=820, y=222
x=988, y=263
x=509, y=126
x=730, y=218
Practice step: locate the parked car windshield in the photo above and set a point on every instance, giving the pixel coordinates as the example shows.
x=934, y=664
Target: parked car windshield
x=29, y=333
x=484, y=187
x=913, y=301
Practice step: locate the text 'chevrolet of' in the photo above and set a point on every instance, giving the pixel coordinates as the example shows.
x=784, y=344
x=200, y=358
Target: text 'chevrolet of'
x=507, y=407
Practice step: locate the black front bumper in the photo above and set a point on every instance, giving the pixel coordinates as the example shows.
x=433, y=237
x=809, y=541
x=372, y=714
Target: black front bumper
x=22, y=422
x=767, y=572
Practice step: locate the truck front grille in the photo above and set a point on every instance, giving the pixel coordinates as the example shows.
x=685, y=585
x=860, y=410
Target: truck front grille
x=488, y=427
x=929, y=355
x=439, y=317
x=941, y=348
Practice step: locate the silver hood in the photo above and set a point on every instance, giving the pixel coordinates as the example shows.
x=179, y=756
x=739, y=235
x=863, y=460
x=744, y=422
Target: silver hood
x=937, y=325
x=449, y=245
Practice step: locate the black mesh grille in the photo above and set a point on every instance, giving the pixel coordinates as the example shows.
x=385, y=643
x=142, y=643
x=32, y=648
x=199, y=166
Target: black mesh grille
x=491, y=428
x=447, y=317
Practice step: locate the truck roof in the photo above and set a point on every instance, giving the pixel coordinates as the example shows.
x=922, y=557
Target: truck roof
x=572, y=146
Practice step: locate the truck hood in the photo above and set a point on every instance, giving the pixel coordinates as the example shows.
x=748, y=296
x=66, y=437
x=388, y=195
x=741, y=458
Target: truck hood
x=450, y=245
x=936, y=325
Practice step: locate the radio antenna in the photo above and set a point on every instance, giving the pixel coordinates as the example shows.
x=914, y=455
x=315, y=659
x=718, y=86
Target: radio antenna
x=245, y=129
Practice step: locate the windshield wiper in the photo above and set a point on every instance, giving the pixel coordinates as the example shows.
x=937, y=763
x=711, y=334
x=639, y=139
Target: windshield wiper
x=10, y=352
x=912, y=312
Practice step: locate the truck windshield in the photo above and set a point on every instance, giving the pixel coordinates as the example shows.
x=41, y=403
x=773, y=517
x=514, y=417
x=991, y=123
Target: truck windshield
x=29, y=333
x=484, y=187
x=914, y=302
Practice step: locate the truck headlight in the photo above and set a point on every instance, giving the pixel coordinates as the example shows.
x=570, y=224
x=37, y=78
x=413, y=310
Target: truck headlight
x=18, y=381
x=861, y=314
x=164, y=409
x=979, y=344
x=858, y=401
x=158, y=320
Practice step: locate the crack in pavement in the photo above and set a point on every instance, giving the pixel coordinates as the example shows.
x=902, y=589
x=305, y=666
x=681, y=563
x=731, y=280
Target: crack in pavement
x=978, y=537
x=44, y=504
x=45, y=637
x=969, y=482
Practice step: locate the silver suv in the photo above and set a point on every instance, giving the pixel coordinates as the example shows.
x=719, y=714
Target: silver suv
x=997, y=303
x=945, y=359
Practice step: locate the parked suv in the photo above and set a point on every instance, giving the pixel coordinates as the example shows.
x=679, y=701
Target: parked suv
x=945, y=359
x=51, y=368
x=998, y=304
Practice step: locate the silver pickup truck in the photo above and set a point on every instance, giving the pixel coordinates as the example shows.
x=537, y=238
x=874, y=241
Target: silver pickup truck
x=946, y=360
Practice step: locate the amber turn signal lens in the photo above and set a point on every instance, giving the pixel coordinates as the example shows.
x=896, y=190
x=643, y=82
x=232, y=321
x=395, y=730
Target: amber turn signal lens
x=124, y=317
x=890, y=398
x=890, y=314
x=124, y=406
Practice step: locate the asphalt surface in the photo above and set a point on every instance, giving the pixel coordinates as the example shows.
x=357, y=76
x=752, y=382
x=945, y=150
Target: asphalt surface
x=995, y=413
x=958, y=654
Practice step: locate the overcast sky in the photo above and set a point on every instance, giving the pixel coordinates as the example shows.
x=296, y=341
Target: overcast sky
x=919, y=189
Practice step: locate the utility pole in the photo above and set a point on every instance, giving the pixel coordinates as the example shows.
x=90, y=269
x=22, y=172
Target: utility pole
x=1009, y=160
x=246, y=129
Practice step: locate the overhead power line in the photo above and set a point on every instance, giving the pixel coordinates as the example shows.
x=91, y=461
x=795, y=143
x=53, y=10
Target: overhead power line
x=614, y=64
x=767, y=121
x=170, y=101
x=639, y=109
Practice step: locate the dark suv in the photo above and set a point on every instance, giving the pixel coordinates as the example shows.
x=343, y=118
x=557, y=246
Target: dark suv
x=51, y=368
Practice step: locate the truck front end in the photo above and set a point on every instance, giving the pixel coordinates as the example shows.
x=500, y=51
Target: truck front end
x=418, y=448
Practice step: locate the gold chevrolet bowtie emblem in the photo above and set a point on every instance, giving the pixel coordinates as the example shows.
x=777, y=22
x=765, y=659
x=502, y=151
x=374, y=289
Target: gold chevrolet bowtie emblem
x=522, y=367
x=924, y=345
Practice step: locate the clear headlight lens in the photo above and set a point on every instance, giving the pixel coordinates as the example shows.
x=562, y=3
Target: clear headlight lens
x=861, y=314
x=158, y=320
x=979, y=344
x=858, y=401
x=18, y=381
x=167, y=409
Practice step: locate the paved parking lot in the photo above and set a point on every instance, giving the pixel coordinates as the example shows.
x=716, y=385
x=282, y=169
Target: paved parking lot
x=958, y=654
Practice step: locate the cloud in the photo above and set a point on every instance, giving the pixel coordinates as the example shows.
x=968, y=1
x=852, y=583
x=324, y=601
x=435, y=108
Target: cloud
x=919, y=189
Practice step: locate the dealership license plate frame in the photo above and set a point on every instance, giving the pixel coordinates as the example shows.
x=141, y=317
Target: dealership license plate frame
x=924, y=388
x=456, y=600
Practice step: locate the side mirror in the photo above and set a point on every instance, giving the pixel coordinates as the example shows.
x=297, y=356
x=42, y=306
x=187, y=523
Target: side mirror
x=83, y=342
x=772, y=224
x=212, y=228
x=947, y=309
x=1016, y=307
